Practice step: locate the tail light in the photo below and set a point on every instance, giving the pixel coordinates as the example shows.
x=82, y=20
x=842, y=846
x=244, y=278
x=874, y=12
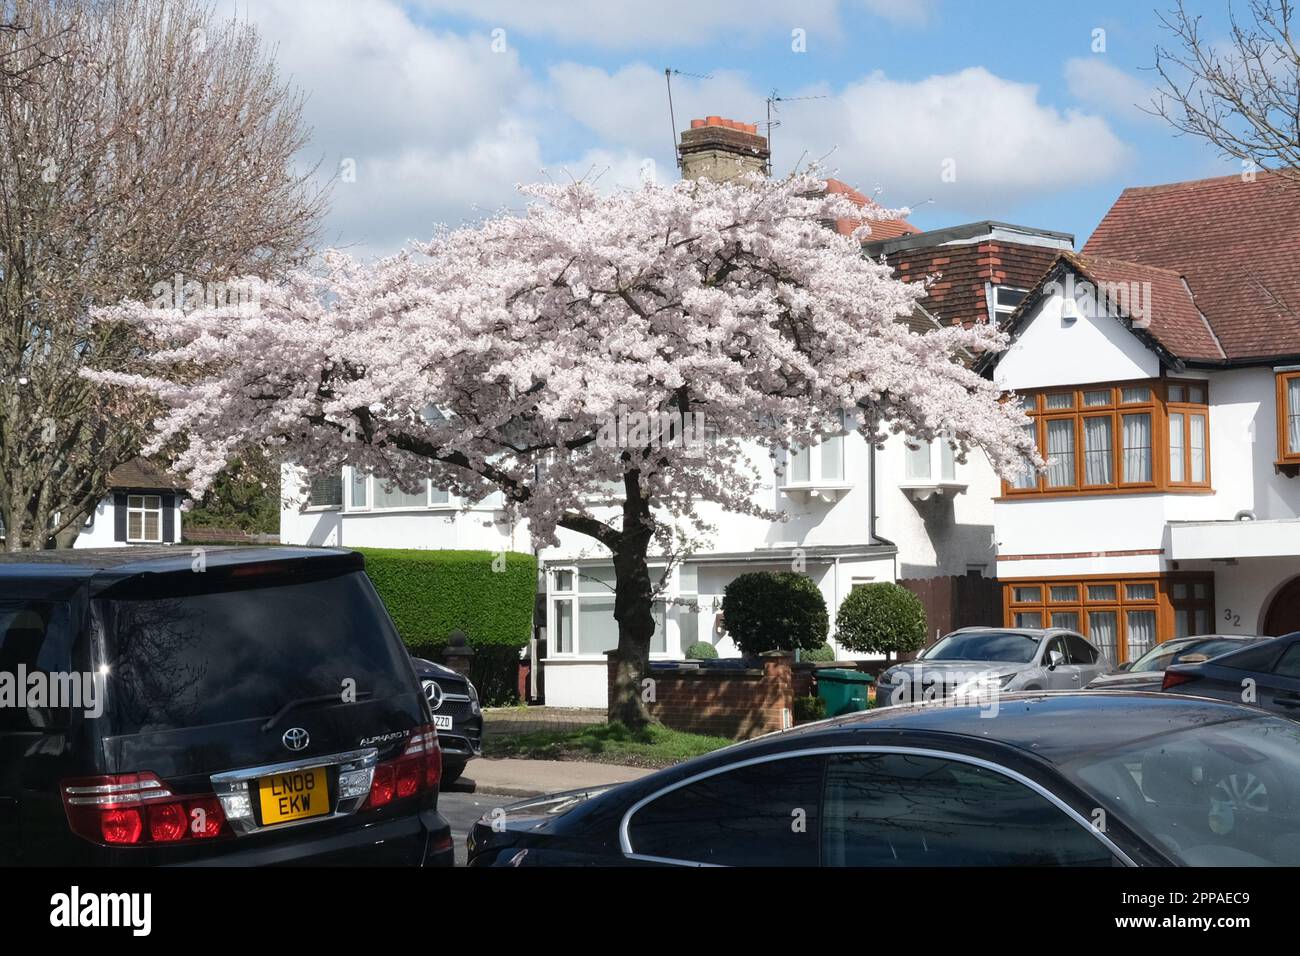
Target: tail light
x=137, y=809
x=419, y=768
x=1174, y=678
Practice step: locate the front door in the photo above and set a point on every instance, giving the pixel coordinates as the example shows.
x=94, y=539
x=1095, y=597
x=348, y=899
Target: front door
x=1283, y=615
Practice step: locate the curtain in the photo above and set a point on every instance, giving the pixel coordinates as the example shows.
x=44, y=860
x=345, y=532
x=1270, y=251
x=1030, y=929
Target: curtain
x=1060, y=451
x=1137, y=448
x=1101, y=629
x=1141, y=633
x=390, y=496
x=1175, y=447
x=1097, y=451
x=1293, y=414
x=1198, y=447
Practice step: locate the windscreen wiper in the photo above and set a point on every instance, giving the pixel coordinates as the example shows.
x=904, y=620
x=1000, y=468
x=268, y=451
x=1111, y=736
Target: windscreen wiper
x=305, y=701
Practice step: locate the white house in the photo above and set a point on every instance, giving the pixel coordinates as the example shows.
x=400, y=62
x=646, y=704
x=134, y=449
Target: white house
x=1162, y=371
x=142, y=506
x=853, y=514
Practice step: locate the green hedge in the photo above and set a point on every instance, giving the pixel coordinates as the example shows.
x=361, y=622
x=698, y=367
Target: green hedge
x=429, y=594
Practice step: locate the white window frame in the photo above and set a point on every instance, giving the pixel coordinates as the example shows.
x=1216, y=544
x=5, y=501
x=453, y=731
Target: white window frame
x=816, y=479
x=370, y=506
x=143, y=509
x=573, y=595
x=999, y=311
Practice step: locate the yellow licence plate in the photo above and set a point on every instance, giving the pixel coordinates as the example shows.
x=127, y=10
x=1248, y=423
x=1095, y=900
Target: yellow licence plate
x=293, y=795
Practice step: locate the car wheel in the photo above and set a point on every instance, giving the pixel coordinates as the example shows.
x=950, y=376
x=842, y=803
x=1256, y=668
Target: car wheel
x=451, y=771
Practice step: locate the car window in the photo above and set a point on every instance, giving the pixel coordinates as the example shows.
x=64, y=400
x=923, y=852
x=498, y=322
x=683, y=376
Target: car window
x=886, y=810
x=1288, y=664
x=1000, y=646
x=1080, y=651
x=1208, y=649
x=764, y=814
x=1054, y=644
x=211, y=658
x=36, y=639
x=1220, y=793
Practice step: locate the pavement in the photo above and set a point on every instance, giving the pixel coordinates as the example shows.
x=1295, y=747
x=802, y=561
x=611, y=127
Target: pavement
x=514, y=777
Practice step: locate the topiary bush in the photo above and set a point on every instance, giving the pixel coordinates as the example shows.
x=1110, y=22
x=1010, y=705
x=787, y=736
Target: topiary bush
x=771, y=611
x=881, y=618
x=701, y=651
x=818, y=655
x=490, y=597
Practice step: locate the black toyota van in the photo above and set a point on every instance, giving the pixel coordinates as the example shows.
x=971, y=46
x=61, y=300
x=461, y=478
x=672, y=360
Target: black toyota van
x=236, y=706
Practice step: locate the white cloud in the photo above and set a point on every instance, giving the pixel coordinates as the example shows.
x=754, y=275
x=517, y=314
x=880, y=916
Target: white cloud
x=441, y=128
x=1000, y=142
x=1003, y=143
x=647, y=22
x=1093, y=81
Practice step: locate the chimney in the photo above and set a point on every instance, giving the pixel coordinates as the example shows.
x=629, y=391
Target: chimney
x=721, y=149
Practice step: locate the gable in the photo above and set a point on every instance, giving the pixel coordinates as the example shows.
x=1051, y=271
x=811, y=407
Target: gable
x=1051, y=348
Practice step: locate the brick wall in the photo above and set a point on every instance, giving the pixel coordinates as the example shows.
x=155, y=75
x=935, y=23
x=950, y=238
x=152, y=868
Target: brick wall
x=728, y=703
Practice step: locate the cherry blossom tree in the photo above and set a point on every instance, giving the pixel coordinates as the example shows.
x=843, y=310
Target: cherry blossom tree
x=511, y=356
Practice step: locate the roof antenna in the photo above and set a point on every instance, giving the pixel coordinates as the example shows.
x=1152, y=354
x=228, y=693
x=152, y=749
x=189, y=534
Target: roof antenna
x=772, y=98
x=669, y=73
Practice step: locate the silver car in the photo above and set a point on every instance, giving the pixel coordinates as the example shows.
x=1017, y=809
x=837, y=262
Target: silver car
x=977, y=660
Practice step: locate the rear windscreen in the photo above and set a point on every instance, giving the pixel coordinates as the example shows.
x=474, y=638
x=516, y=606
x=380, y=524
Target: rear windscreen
x=207, y=658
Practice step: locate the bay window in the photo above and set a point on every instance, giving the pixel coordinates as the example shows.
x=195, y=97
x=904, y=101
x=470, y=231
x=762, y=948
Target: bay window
x=1288, y=416
x=1135, y=436
x=581, y=615
x=1123, y=617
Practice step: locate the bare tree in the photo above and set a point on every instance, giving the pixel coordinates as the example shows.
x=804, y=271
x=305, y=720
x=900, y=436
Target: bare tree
x=1243, y=95
x=151, y=158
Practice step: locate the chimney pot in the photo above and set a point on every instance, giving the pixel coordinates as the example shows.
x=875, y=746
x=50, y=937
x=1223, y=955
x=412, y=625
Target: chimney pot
x=697, y=124
x=713, y=121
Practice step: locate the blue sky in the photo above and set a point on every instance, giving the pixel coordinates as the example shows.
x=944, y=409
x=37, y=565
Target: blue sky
x=441, y=106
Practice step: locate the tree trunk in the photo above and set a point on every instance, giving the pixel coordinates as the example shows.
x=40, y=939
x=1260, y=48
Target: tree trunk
x=636, y=623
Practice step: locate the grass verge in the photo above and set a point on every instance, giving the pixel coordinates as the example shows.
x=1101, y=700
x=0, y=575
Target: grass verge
x=654, y=746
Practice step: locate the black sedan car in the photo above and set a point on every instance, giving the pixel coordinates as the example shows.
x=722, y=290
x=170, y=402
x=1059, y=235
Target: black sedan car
x=457, y=716
x=1264, y=674
x=1070, y=779
x=1148, y=671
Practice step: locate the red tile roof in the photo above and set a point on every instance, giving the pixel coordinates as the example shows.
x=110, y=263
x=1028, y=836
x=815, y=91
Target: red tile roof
x=1236, y=243
x=958, y=293
x=880, y=228
x=1156, y=302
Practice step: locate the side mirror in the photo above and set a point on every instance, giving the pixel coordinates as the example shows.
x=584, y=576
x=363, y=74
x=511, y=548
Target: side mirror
x=1054, y=659
x=1124, y=667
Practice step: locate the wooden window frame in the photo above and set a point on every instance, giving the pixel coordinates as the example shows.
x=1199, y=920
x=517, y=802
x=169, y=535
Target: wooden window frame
x=1163, y=603
x=1157, y=406
x=1285, y=454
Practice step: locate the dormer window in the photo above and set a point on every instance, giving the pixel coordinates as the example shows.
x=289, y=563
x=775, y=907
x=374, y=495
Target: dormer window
x=1005, y=300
